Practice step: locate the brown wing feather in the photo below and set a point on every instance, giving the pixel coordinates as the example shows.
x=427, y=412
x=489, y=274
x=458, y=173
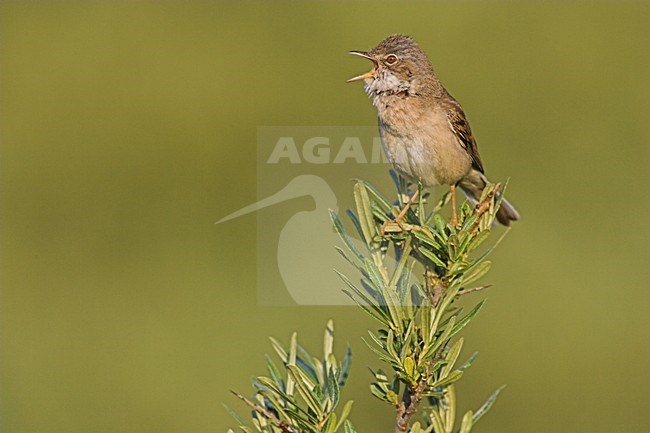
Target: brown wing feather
x=460, y=127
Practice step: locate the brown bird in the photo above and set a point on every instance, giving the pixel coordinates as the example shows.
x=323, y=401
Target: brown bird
x=423, y=129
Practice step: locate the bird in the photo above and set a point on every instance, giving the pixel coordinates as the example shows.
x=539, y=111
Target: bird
x=423, y=129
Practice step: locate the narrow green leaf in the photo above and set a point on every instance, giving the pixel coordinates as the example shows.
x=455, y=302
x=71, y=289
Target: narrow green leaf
x=487, y=405
x=256, y=423
x=279, y=349
x=466, y=424
x=277, y=405
x=441, y=225
x=439, y=426
x=465, y=320
x=390, y=345
x=423, y=316
x=242, y=428
x=409, y=368
x=469, y=361
x=374, y=276
x=307, y=394
x=274, y=372
x=355, y=221
x=429, y=428
x=376, y=390
x=307, y=363
x=349, y=427
x=422, y=216
x=328, y=340
x=478, y=240
x=347, y=359
x=338, y=226
x=451, y=378
x=433, y=257
x=499, y=196
x=423, y=237
x=270, y=384
x=330, y=425
x=375, y=192
x=395, y=384
x=451, y=357
x=447, y=298
x=377, y=340
x=235, y=416
x=382, y=355
x=441, y=238
x=364, y=301
x=309, y=381
x=333, y=389
x=397, y=273
x=450, y=412
x=468, y=222
x=291, y=360
x=410, y=339
x=476, y=272
x=302, y=415
x=440, y=340
x=348, y=259
x=378, y=212
x=492, y=247
x=344, y=414
x=364, y=211
x=453, y=244
x=366, y=309
x=389, y=295
x=320, y=372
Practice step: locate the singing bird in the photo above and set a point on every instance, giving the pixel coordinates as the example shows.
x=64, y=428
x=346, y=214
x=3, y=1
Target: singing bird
x=424, y=131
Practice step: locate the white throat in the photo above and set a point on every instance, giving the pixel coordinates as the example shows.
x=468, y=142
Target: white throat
x=385, y=83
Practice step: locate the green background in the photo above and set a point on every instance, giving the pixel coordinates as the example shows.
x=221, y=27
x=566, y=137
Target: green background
x=129, y=128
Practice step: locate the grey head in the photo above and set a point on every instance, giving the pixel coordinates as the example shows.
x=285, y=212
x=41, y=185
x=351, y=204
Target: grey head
x=400, y=67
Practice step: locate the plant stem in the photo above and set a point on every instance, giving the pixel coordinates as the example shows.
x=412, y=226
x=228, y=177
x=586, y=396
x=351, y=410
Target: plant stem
x=473, y=289
x=483, y=206
x=266, y=413
x=407, y=407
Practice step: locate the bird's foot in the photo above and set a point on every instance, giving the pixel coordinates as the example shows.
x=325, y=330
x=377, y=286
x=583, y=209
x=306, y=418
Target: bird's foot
x=397, y=225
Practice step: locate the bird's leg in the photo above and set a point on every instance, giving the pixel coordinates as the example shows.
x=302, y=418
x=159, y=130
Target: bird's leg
x=407, y=206
x=400, y=216
x=454, y=217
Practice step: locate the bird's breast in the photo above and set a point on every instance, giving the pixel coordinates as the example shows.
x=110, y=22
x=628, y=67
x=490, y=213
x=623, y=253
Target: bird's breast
x=419, y=142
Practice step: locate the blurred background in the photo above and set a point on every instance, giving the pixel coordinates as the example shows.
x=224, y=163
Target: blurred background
x=129, y=128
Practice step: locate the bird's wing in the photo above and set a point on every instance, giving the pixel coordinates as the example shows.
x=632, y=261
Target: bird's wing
x=460, y=126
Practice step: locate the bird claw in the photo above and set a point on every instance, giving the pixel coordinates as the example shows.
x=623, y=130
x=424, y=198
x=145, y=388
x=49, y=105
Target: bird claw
x=396, y=225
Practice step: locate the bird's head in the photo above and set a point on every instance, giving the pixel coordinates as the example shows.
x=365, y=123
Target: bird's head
x=399, y=67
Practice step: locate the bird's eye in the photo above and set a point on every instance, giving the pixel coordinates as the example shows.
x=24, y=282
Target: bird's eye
x=391, y=59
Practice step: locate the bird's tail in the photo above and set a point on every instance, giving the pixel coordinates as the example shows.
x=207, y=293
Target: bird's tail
x=473, y=185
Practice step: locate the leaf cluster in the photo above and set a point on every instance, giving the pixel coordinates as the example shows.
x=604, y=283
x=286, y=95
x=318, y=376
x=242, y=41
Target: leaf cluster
x=303, y=394
x=418, y=321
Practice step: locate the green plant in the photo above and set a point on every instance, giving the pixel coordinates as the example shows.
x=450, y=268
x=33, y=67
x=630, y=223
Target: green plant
x=304, y=396
x=419, y=319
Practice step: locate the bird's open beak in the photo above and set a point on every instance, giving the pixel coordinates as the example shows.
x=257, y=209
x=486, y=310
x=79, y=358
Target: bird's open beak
x=369, y=74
